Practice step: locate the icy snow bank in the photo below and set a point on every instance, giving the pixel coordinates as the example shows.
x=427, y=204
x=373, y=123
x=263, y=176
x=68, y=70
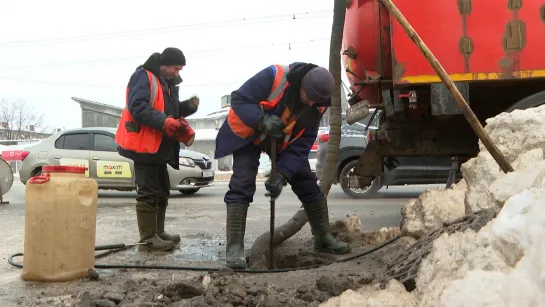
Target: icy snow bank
x=434, y=207
x=502, y=264
x=518, y=233
x=515, y=134
x=371, y=296
x=451, y=258
x=485, y=185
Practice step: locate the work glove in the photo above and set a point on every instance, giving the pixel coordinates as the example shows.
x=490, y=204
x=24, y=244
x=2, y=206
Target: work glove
x=186, y=134
x=274, y=188
x=272, y=125
x=172, y=127
x=194, y=103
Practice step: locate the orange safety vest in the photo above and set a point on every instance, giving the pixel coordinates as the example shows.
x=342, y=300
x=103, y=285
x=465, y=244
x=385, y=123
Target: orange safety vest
x=279, y=87
x=134, y=136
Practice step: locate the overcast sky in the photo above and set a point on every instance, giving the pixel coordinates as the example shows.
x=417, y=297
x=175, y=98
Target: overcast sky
x=57, y=49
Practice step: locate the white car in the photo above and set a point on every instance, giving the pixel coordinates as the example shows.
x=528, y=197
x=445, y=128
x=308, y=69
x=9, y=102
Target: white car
x=95, y=148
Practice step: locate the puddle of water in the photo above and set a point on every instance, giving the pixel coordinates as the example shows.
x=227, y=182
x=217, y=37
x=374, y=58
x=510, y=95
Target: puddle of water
x=199, y=250
x=193, y=248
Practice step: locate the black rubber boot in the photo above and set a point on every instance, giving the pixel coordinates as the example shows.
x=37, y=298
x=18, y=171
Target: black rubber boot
x=235, y=229
x=318, y=219
x=147, y=226
x=161, y=214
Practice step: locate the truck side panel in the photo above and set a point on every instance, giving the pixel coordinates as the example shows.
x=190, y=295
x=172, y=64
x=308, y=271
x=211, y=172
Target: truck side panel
x=533, y=15
x=473, y=40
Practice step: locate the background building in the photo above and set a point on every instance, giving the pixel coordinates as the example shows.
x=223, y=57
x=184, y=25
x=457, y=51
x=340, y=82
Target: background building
x=96, y=114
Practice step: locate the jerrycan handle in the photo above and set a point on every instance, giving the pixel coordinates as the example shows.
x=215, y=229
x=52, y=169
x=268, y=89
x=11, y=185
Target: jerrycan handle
x=42, y=178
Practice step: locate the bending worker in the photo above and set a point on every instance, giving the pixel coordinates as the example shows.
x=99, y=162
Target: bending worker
x=149, y=132
x=285, y=103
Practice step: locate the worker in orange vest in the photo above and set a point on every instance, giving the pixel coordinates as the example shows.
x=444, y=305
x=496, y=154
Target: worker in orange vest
x=284, y=103
x=150, y=130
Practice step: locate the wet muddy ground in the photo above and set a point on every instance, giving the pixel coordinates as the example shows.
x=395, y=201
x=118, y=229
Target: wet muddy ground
x=128, y=287
x=200, y=220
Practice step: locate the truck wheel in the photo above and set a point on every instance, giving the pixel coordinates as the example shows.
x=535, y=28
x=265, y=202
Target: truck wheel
x=531, y=101
x=189, y=191
x=358, y=193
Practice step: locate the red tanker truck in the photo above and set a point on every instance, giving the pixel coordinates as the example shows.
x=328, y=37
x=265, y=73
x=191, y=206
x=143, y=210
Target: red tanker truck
x=494, y=51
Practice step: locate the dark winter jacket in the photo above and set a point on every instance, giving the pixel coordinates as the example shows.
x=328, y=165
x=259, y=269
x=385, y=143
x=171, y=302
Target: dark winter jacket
x=141, y=111
x=245, y=102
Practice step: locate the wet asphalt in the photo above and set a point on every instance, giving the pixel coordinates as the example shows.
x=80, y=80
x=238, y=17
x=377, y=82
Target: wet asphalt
x=200, y=220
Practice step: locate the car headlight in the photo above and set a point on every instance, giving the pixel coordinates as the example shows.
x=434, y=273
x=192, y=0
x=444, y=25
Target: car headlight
x=187, y=162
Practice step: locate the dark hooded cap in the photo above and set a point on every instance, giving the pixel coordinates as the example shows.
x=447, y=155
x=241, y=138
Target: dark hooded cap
x=318, y=84
x=172, y=56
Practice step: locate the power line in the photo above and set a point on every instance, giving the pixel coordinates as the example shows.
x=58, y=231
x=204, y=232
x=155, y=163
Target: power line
x=194, y=26
x=144, y=57
x=109, y=85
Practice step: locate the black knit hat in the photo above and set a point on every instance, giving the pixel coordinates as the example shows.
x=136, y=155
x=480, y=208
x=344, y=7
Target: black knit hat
x=318, y=84
x=172, y=56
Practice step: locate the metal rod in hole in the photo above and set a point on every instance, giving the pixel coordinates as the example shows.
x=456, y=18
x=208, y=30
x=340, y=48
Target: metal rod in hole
x=273, y=179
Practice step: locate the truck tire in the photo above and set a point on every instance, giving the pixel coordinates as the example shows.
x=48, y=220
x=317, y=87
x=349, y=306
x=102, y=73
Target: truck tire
x=531, y=101
x=369, y=192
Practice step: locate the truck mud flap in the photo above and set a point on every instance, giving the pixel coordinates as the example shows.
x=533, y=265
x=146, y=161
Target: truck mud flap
x=368, y=168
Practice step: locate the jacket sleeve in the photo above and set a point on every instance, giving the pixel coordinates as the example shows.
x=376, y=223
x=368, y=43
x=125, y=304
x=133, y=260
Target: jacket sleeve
x=138, y=102
x=245, y=101
x=293, y=157
x=185, y=108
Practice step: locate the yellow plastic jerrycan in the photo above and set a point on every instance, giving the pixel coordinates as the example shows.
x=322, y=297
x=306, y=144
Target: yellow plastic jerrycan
x=60, y=224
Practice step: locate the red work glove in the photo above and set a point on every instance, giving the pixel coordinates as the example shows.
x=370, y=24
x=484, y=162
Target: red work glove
x=172, y=127
x=186, y=134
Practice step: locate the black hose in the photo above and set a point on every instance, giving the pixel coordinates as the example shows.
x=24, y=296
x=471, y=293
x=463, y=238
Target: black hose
x=184, y=268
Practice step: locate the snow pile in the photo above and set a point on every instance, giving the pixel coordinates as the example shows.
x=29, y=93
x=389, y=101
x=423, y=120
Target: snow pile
x=518, y=236
x=371, y=296
x=500, y=265
x=516, y=134
x=520, y=137
x=434, y=207
x=451, y=258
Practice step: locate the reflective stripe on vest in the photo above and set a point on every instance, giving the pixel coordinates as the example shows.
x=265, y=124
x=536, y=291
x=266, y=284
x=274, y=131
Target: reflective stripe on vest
x=277, y=92
x=278, y=89
x=279, y=86
x=280, y=83
x=134, y=136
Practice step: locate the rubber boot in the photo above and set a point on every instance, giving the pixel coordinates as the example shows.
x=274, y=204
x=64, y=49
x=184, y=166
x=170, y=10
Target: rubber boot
x=161, y=225
x=235, y=229
x=318, y=219
x=147, y=226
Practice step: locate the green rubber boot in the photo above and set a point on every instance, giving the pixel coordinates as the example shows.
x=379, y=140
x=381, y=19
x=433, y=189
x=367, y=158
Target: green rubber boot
x=161, y=214
x=318, y=219
x=147, y=226
x=235, y=229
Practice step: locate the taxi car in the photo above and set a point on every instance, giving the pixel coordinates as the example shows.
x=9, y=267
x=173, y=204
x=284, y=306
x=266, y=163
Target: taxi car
x=95, y=148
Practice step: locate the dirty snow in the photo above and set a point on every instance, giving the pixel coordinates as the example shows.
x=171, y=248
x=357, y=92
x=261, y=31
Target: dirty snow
x=434, y=207
x=500, y=265
x=515, y=134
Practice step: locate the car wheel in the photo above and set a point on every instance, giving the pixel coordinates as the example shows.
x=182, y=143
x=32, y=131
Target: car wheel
x=189, y=191
x=358, y=193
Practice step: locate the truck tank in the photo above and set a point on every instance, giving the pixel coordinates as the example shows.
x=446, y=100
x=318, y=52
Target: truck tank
x=491, y=49
x=367, y=48
x=500, y=40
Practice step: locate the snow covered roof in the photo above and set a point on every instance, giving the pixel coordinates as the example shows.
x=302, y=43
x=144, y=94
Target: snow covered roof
x=205, y=134
x=214, y=115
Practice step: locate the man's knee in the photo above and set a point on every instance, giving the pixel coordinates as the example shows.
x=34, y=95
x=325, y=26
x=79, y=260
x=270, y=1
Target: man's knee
x=310, y=195
x=306, y=188
x=241, y=190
